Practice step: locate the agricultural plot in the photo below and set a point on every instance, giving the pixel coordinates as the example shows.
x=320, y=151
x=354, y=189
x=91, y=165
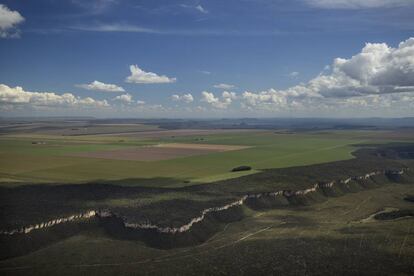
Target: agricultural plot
x=303, y=208
x=159, y=152
x=157, y=134
x=184, y=160
x=75, y=128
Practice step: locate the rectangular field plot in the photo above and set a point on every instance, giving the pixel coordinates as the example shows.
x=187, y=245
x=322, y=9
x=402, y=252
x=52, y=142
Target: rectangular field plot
x=174, y=133
x=199, y=158
x=160, y=152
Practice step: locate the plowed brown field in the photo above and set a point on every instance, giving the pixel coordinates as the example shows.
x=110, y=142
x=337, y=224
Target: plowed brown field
x=159, y=152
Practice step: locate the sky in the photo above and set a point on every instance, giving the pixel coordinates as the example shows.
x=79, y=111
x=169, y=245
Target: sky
x=207, y=59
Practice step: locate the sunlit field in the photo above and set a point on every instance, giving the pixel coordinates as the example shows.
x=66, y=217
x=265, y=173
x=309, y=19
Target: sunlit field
x=55, y=159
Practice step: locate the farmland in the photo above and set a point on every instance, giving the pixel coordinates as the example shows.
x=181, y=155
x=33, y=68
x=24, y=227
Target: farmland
x=164, y=201
x=328, y=232
x=55, y=157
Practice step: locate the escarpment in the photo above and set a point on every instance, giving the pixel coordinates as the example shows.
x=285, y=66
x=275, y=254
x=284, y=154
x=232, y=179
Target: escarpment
x=51, y=223
x=175, y=217
x=282, y=198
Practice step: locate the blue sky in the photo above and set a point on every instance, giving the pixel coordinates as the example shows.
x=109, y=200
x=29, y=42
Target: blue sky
x=208, y=58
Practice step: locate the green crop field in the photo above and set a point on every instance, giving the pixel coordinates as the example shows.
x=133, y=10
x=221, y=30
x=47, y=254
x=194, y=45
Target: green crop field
x=52, y=160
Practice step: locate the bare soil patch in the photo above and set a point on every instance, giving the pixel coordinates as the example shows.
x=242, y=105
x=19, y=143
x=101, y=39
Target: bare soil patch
x=185, y=132
x=159, y=152
x=202, y=146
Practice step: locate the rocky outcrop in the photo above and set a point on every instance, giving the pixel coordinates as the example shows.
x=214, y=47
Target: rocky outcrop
x=270, y=199
x=186, y=227
x=50, y=223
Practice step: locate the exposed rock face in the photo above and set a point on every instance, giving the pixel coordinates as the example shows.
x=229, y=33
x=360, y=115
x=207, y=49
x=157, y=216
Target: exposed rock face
x=50, y=223
x=187, y=226
x=288, y=196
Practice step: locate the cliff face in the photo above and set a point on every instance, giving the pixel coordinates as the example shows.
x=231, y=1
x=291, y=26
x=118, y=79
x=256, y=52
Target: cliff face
x=317, y=192
x=47, y=224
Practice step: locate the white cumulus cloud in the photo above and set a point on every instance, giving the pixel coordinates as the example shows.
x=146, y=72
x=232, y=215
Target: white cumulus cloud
x=17, y=96
x=8, y=22
x=229, y=95
x=140, y=76
x=186, y=98
x=124, y=98
x=216, y=102
x=100, y=86
x=127, y=100
x=271, y=96
x=377, y=70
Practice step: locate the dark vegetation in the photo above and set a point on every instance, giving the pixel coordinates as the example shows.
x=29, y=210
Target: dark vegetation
x=32, y=204
x=20, y=244
x=390, y=151
x=409, y=198
x=199, y=233
x=394, y=215
x=35, y=203
x=241, y=168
